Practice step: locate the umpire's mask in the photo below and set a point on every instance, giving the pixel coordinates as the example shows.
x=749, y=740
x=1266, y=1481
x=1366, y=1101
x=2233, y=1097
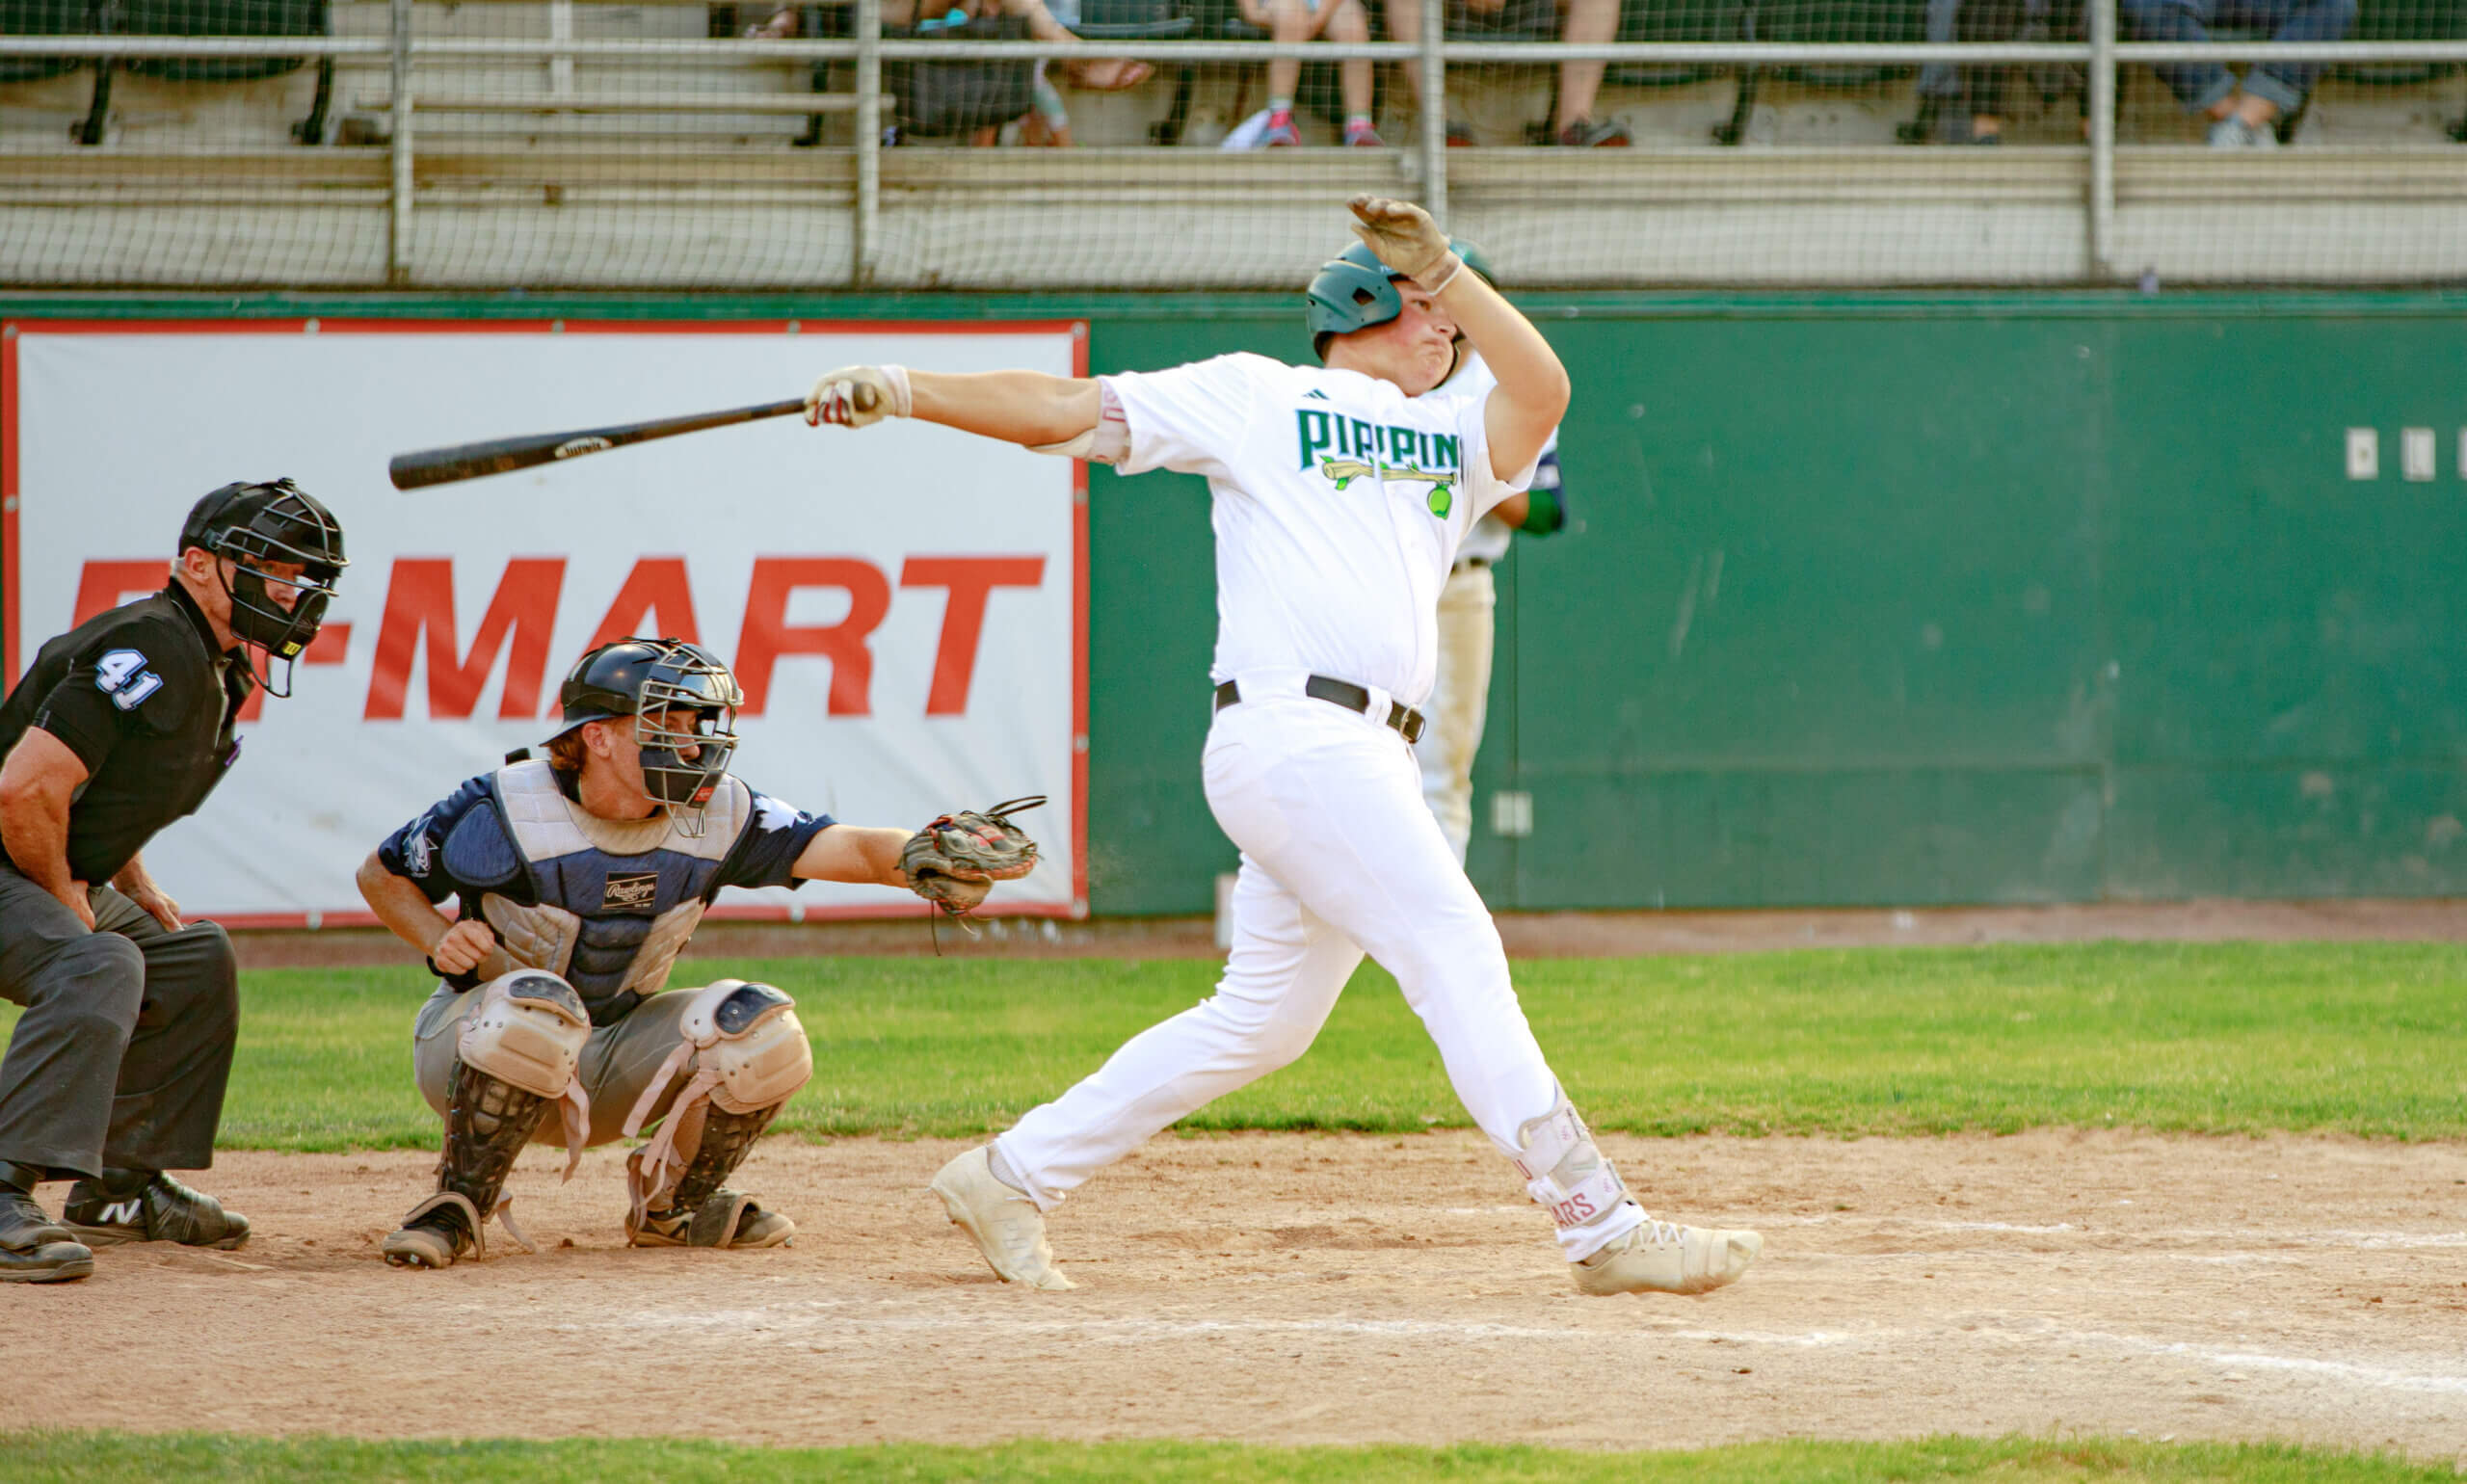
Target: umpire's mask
x=651, y=681
x=253, y=525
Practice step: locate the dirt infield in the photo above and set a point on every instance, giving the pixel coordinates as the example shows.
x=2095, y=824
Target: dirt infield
x=1302, y=1288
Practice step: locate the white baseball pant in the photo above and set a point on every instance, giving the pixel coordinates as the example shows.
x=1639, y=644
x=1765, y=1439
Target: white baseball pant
x=1339, y=856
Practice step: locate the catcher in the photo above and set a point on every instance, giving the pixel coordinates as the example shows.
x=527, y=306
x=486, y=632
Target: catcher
x=580, y=876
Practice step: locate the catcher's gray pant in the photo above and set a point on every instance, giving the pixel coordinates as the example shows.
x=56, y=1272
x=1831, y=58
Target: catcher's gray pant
x=618, y=1062
x=122, y=1057
x=1338, y=855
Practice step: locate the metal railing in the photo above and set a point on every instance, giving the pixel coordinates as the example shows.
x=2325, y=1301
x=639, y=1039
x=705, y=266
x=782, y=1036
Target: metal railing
x=2100, y=54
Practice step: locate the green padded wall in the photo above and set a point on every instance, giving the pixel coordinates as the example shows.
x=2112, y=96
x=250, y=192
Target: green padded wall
x=1877, y=600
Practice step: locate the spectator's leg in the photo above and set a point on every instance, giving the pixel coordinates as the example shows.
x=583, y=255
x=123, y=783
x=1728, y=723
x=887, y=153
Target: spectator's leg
x=1405, y=25
x=1049, y=123
x=2280, y=87
x=1988, y=20
x=1580, y=82
x=1291, y=20
x=2202, y=87
x=1350, y=22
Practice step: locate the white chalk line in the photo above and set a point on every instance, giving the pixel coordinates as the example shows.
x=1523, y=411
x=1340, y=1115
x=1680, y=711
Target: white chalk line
x=2242, y=1236
x=831, y=1322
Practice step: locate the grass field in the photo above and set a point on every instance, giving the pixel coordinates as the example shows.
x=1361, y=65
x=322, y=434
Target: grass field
x=2221, y=1038
x=2364, y=1038
x=106, y=1458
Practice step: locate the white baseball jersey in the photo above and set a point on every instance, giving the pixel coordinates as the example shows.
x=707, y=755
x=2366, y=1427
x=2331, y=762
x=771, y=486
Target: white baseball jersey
x=1340, y=503
x=1490, y=536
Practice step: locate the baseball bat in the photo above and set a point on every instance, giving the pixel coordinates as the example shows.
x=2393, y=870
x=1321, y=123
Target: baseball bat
x=422, y=467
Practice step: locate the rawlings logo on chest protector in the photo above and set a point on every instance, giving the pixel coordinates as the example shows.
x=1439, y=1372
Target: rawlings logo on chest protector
x=632, y=891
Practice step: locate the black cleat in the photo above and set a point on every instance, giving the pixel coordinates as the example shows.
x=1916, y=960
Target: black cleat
x=34, y=1247
x=149, y=1206
x=439, y=1230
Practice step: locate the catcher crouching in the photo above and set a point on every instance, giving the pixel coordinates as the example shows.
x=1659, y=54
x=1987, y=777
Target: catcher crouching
x=579, y=877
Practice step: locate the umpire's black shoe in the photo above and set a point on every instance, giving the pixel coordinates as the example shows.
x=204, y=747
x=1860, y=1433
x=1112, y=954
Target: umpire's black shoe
x=141, y=1206
x=34, y=1247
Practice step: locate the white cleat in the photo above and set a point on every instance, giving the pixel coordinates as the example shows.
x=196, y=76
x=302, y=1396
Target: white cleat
x=1008, y=1228
x=1662, y=1257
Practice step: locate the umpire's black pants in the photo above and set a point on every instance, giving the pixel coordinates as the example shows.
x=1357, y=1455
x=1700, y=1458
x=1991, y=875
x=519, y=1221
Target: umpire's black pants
x=121, y=1059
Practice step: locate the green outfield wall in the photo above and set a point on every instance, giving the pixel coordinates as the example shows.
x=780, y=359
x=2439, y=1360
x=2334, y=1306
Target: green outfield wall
x=1883, y=600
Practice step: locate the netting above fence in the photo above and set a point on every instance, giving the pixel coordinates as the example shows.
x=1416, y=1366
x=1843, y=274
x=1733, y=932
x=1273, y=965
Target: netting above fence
x=1204, y=142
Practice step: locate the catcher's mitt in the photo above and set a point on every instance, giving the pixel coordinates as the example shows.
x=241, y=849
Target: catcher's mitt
x=954, y=861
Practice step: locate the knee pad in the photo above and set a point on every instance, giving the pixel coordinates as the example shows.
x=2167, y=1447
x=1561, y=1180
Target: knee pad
x=1564, y=1172
x=753, y=1058
x=529, y=1031
x=749, y=1036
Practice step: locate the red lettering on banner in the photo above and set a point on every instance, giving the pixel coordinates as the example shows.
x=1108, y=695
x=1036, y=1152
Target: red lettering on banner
x=419, y=600
x=655, y=588
x=767, y=634
x=971, y=581
x=104, y=584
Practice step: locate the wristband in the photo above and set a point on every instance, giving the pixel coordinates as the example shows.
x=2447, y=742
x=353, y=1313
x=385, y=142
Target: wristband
x=1543, y=513
x=1447, y=268
x=900, y=402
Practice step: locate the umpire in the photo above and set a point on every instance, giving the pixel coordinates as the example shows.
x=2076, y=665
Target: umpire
x=123, y=725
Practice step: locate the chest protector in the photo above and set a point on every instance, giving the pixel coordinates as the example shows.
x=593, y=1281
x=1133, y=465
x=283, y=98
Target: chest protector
x=604, y=904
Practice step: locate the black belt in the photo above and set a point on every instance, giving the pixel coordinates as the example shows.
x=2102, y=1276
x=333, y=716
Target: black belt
x=1400, y=718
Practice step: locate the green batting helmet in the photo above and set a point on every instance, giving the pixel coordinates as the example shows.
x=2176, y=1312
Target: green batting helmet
x=1355, y=290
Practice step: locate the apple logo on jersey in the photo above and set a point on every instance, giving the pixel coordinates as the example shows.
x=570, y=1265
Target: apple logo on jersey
x=587, y=443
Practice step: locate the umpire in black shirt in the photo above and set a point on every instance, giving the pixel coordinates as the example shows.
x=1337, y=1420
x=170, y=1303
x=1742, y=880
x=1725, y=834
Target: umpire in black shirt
x=123, y=725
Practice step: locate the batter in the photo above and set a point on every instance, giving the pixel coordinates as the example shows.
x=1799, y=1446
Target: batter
x=1341, y=496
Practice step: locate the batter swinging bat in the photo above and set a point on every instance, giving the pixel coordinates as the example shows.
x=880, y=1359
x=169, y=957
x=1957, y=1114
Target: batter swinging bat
x=470, y=460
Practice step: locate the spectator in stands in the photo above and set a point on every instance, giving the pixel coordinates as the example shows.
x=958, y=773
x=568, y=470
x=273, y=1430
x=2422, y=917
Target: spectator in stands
x=2241, y=118
x=1983, y=87
x=1040, y=109
x=1572, y=121
x=1301, y=20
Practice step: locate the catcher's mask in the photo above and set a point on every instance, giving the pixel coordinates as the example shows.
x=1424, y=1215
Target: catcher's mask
x=648, y=680
x=1355, y=290
x=251, y=525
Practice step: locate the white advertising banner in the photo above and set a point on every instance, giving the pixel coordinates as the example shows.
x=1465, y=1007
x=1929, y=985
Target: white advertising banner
x=905, y=606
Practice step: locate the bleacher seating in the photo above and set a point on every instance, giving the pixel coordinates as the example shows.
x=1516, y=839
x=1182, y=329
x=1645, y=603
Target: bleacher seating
x=41, y=17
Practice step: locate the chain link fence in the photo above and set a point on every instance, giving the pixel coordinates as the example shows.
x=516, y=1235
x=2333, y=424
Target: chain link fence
x=1205, y=144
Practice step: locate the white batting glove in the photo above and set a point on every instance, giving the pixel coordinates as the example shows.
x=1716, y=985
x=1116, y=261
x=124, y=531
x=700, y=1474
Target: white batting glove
x=857, y=396
x=1406, y=239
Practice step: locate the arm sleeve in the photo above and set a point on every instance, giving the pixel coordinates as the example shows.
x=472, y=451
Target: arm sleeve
x=1192, y=418
x=1484, y=488
x=416, y=852
x=1548, y=513
x=766, y=853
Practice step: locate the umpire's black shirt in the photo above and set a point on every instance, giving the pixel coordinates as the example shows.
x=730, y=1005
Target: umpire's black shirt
x=145, y=701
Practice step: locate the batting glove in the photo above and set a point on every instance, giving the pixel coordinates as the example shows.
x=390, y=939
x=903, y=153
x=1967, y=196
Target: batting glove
x=857, y=396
